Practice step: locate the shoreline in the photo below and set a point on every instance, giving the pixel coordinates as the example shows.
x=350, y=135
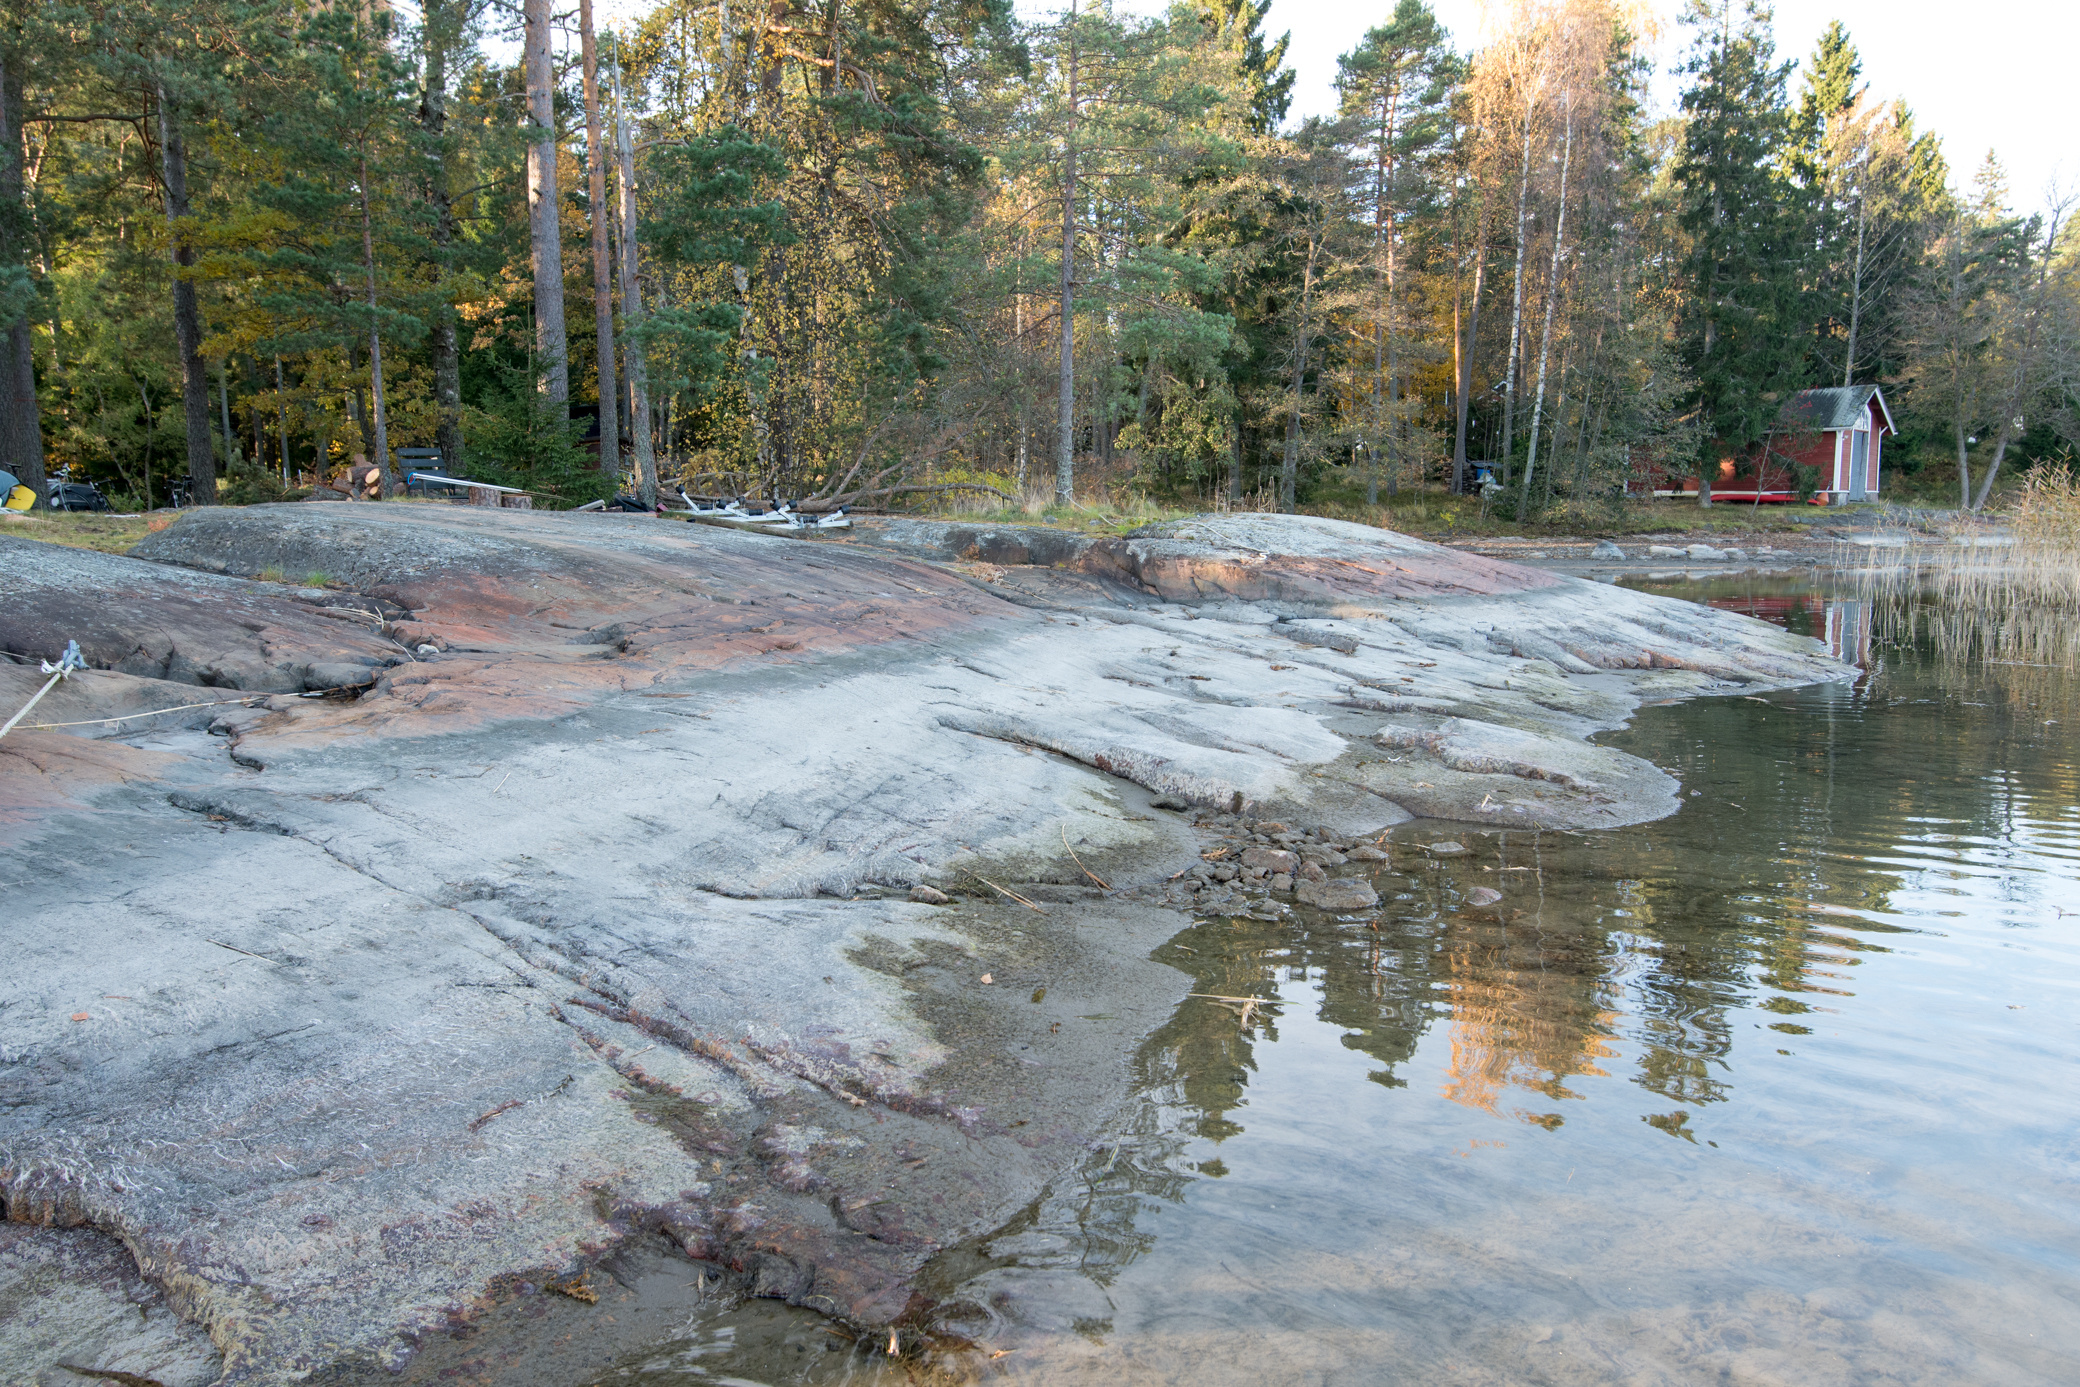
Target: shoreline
x=590, y=918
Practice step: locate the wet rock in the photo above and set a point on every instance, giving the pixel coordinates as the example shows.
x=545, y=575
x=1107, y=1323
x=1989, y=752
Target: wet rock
x=1446, y=849
x=1483, y=895
x=1365, y=852
x=72, y=1296
x=1337, y=893
x=1275, y=860
x=929, y=895
x=578, y=917
x=1311, y=871
x=1606, y=550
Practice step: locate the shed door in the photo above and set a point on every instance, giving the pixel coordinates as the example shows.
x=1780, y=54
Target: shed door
x=1859, y=464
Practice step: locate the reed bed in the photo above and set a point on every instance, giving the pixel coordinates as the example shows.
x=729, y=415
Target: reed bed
x=2003, y=595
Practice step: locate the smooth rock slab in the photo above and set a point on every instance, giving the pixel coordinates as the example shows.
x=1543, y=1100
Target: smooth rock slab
x=596, y=923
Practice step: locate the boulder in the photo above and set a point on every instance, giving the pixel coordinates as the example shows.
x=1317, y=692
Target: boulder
x=1337, y=893
x=1273, y=860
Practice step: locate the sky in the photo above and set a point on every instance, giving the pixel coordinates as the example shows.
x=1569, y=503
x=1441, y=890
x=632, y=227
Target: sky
x=1995, y=75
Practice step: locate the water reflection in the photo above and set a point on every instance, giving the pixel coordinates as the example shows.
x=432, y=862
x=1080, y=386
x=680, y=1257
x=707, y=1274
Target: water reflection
x=1780, y=1089
x=1843, y=623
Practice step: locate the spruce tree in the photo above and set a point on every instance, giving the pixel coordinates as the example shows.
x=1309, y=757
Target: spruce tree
x=1267, y=83
x=1747, y=318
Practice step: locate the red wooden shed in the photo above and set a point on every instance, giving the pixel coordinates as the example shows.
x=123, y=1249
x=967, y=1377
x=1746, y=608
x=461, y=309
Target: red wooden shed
x=1838, y=431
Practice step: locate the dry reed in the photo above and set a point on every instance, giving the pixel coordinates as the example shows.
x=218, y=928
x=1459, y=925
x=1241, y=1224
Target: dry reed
x=2003, y=596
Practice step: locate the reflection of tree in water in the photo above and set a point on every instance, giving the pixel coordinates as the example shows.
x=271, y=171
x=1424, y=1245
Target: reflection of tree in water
x=1527, y=1013
x=1657, y=953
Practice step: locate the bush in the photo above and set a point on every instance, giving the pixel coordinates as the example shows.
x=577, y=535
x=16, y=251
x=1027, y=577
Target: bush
x=518, y=438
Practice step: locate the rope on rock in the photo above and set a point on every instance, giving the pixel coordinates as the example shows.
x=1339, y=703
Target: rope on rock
x=68, y=662
x=72, y=660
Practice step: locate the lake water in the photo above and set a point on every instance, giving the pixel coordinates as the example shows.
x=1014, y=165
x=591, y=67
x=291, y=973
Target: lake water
x=1779, y=1089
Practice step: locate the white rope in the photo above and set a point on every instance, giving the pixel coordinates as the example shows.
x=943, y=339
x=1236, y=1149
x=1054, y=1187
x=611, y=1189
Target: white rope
x=68, y=662
x=73, y=660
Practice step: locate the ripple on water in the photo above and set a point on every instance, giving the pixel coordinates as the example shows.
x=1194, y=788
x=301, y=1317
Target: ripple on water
x=1780, y=1089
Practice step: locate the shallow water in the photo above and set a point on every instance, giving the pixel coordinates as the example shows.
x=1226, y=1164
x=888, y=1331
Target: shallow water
x=1780, y=1089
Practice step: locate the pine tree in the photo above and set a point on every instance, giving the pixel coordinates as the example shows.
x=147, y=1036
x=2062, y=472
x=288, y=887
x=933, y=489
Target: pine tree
x=1747, y=322
x=21, y=424
x=1396, y=89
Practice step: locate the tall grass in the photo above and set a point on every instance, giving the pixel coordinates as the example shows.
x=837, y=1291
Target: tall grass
x=2004, y=596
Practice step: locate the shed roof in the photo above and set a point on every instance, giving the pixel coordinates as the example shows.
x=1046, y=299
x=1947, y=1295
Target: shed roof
x=1835, y=407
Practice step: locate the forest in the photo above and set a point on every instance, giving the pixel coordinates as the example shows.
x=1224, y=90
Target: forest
x=916, y=253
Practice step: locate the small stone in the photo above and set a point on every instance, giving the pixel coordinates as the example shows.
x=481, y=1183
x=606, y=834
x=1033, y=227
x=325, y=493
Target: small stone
x=1365, y=852
x=1281, y=883
x=1312, y=871
x=1447, y=849
x=1171, y=802
x=1337, y=893
x=929, y=895
x=1483, y=895
x=427, y=650
x=1270, y=859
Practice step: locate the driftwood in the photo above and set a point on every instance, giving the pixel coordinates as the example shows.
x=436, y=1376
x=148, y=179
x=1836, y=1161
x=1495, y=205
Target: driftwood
x=823, y=505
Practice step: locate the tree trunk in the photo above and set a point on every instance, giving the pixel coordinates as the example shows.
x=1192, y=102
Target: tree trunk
x=375, y=341
x=1964, y=469
x=1545, y=344
x=1018, y=379
x=224, y=410
x=1385, y=215
x=187, y=313
x=1289, y=466
x=632, y=297
x=1065, y=444
x=552, y=348
x=444, y=340
x=1855, y=292
x=602, y=268
x=1516, y=308
x=281, y=415
x=1464, y=355
x=2025, y=363
x=1235, y=460
x=21, y=423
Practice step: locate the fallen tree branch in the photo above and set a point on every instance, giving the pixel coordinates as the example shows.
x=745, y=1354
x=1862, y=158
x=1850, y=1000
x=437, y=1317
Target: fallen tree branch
x=826, y=504
x=1079, y=861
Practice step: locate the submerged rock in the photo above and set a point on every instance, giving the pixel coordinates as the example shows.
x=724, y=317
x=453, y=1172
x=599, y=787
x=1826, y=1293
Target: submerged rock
x=467, y=976
x=1337, y=893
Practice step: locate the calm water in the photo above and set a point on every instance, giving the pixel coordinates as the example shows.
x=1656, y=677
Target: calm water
x=1780, y=1089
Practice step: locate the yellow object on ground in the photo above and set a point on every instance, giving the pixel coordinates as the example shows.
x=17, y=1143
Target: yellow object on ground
x=21, y=498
